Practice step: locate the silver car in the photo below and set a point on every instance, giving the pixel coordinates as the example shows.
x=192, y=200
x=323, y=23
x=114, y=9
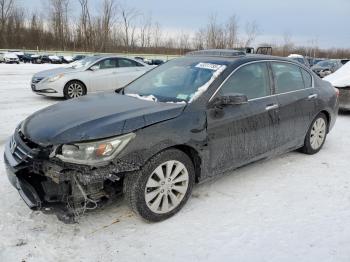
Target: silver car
x=90, y=75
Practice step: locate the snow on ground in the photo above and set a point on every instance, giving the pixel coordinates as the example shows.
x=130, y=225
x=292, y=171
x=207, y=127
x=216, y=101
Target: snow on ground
x=291, y=208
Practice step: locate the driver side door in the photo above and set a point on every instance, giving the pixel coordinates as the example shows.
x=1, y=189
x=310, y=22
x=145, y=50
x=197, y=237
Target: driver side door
x=239, y=134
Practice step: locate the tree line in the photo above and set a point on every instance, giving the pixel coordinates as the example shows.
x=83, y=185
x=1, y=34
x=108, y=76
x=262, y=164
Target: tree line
x=114, y=27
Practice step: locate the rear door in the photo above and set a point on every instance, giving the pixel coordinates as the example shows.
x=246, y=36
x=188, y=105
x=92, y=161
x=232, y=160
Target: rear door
x=297, y=103
x=243, y=133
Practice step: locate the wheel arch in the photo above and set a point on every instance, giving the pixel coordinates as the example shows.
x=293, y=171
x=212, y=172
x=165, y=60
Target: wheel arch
x=195, y=157
x=77, y=80
x=328, y=116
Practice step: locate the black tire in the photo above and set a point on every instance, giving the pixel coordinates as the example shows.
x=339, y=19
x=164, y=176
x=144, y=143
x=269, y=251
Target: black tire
x=307, y=148
x=135, y=184
x=66, y=93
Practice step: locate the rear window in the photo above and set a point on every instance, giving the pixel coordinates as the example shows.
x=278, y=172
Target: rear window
x=288, y=77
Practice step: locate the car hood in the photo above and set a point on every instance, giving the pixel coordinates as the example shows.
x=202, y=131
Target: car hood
x=56, y=71
x=94, y=117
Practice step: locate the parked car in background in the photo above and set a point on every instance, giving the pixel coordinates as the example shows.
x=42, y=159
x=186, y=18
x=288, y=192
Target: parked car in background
x=326, y=67
x=139, y=58
x=26, y=58
x=78, y=57
x=317, y=60
x=299, y=58
x=10, y=58
x=54, y=59
x=184, y=122
x=341, y=80
x=66, y=59
x=157, y=62
x=89, y=75
x=344, y=61
x=36, y=59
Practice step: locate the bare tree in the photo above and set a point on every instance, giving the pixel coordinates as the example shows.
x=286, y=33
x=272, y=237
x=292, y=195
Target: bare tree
x=157, y=35
x=85, y=25
x=145, y=31
x=6, y=9
x=107, y=20
x=128, y=16
x=288, y=44
x=199, y=39
x=59, y=21
x=231, y=32
x=251, y=31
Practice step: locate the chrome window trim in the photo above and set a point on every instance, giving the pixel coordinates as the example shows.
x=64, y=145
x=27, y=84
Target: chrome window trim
x=264, y=61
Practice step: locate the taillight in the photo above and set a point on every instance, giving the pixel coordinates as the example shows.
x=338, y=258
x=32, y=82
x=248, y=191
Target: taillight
x=336, y=91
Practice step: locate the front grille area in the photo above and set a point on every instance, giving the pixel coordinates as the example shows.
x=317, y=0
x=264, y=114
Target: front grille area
x=21, y=148
x=36, y=80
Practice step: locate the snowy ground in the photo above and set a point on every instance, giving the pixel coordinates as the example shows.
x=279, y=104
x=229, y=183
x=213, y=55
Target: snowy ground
x=292, y=208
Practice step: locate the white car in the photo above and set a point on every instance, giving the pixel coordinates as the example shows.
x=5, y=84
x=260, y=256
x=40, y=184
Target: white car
x=10, y=58
x=89, y=75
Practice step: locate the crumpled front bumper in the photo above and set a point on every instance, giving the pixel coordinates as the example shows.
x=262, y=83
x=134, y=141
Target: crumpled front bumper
x=25, y=190
x=67, y=190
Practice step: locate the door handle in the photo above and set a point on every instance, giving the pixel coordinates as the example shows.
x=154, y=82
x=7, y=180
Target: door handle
x=312, y=96
x=271, y=107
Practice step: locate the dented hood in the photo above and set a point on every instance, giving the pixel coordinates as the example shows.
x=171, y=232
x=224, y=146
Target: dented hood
x=95, y=117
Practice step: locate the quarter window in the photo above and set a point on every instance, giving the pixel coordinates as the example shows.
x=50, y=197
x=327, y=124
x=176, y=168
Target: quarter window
x=288, y=77
x=251, y=80
x=307, y=78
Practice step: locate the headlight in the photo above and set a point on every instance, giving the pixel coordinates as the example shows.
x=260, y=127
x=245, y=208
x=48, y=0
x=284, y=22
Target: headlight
x=55, y=78
x=95, y=153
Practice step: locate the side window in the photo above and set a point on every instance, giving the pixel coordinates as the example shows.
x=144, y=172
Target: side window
x=288, y=77
x=307, y=78
x=123, y=62
x=251, y=80
x=108, y=63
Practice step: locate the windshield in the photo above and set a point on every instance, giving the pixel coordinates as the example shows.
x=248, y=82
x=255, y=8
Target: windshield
x=325, y=63
x=84, y=62
x=179, y=80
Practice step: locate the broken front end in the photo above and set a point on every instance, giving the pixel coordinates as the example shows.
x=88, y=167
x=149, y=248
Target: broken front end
x=58, y=179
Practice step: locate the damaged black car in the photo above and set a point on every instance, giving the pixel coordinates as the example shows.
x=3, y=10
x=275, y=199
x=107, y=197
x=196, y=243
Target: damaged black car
x=183, y=122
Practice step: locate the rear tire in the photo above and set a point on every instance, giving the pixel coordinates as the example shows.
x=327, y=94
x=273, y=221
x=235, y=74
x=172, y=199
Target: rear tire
x=162, y=187
x=316, y=135
x=74, y=89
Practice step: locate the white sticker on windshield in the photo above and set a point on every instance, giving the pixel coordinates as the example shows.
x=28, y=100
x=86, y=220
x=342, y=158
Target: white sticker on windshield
x=208, y=66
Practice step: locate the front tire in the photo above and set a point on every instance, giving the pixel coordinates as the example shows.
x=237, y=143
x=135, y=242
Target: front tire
x=74, y=89
x=162, y=187
x=316, y=135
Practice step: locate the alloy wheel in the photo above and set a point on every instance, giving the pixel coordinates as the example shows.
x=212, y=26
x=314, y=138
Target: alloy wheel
x=318, y=133
x=75, y=90
x=166, y=187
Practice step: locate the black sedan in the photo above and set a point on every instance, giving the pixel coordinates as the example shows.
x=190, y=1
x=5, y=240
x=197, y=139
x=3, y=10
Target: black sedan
x=184, y=122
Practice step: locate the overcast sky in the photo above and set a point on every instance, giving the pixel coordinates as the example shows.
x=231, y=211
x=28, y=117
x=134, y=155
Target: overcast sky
x=327, y=22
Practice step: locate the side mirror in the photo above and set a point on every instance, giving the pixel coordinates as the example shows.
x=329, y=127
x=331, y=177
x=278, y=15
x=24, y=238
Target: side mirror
x=95, y=68
x=222, y=101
